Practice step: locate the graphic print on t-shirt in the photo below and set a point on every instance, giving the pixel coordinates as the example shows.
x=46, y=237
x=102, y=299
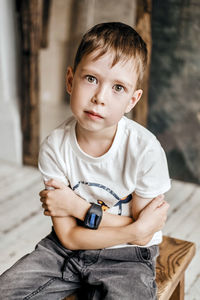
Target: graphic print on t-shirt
x=118, y=202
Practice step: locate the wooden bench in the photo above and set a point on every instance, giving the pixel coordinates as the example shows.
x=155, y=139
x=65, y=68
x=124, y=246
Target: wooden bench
x=175, y=256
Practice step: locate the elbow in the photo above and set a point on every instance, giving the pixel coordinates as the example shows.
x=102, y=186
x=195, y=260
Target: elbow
x=70, y=246
x=68, y=242
x=65, y=229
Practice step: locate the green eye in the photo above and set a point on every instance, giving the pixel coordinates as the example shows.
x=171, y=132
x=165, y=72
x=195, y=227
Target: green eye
x=91, y=79
x=119, y=88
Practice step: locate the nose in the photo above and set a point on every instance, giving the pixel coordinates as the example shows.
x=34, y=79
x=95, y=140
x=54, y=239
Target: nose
x=99, y=96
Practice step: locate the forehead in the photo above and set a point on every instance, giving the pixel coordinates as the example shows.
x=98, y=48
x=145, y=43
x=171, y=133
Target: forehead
x=109, y=60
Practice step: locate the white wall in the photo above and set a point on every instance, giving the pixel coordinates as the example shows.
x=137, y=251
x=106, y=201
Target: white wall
x=10, y=128
x=53, y=58
x=54, y=108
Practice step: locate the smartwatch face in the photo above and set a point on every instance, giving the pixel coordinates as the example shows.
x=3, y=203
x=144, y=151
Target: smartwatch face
x=93, y=216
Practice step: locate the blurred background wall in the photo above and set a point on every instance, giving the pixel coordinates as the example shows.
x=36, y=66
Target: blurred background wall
x=174, y=90
x=10, y=123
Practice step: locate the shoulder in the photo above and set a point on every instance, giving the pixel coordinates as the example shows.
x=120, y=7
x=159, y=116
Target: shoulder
x=59, y=135
x=139, y=138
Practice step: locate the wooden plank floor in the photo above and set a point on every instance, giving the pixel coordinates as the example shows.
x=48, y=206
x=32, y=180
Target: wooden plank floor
x=22, y=223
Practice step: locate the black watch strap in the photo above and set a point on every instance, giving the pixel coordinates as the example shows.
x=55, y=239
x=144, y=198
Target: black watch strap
x=93, y=216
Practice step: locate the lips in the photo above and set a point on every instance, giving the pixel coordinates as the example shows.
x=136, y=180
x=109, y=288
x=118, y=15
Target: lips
x=93, y=114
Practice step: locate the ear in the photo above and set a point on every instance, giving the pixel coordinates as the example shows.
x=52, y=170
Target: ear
x=69, y=79
x=134, y=100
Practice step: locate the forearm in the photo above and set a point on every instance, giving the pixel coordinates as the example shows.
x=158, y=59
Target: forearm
x=110, y=220
x=76, y=237
x=63, y=201
x=151, y=219
x=81, y=207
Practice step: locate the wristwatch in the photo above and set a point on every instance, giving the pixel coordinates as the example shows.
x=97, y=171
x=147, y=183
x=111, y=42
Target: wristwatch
x=93, y=216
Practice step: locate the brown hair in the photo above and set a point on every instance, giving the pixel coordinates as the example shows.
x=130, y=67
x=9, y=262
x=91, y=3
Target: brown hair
x=118, y=37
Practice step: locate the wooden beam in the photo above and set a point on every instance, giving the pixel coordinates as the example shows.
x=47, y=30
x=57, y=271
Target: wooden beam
x=31, y=17
x=143, y=27
x=31, y=14
x=45, y=22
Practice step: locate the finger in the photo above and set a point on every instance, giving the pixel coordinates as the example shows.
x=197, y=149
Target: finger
x=45, y=206
x=43, y=200
x=43, y=193
x=55, y=184
x=47, y=213
x=163, y=208
x=165, y=205
x=156, y=202
x=160, y=197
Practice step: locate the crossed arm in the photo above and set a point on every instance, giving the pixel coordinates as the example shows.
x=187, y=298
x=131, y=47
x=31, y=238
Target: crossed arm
x=65, y=207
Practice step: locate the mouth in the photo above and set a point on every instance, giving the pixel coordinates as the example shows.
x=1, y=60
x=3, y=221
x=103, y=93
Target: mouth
x=93, y=115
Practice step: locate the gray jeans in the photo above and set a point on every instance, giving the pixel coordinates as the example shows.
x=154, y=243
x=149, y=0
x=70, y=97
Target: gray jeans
x=52, y=272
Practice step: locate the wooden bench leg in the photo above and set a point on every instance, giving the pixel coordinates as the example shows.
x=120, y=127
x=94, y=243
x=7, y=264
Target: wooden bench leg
x=178, y=293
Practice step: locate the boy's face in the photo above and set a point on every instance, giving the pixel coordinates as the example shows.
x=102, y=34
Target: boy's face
x=99, y=93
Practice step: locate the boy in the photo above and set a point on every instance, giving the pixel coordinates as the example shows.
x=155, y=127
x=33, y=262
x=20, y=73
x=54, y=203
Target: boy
x=103, y=171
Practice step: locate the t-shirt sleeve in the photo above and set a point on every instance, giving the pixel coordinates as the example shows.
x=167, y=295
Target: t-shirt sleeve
x=50, y=162
x=153, y=176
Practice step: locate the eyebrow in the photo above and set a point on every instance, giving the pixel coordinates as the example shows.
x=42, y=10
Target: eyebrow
x=125, y=83
x=84, y=70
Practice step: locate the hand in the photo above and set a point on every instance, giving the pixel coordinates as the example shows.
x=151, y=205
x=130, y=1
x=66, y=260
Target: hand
x=58, y=200
x=152, y=218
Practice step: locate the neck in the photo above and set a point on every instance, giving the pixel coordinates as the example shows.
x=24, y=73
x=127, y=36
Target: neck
x=95, y=143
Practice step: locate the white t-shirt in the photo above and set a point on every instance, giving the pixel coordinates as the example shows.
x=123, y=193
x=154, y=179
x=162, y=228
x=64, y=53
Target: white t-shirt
x=135, y=163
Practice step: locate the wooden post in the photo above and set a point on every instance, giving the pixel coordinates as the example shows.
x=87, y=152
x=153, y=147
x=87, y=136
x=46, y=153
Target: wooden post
x=178, y=293
x=30, y=21
x=45, y=22
x=143, y=27
x=33, y=27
